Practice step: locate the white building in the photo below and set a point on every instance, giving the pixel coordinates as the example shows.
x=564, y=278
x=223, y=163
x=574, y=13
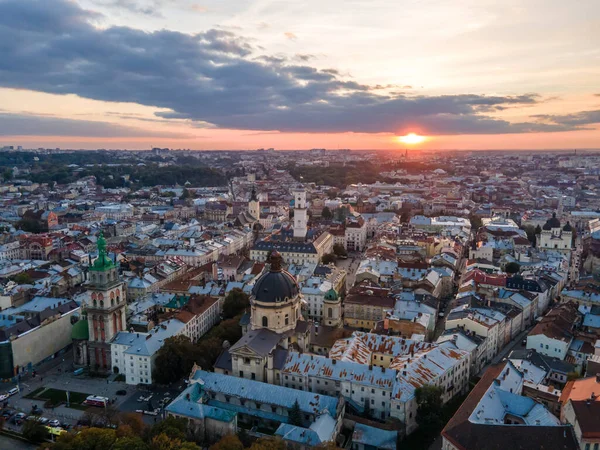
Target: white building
x=133, y=354
x=9, y=251
x=356, y=234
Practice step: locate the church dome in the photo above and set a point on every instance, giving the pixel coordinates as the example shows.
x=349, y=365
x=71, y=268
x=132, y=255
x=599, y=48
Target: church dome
x=276, y=285
x=553, y=222
x=568, y=227
x=331, y=295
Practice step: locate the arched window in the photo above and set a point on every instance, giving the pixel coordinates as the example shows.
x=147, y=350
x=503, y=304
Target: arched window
x=330, y=313
x=95, y=303
x=265, y=321
x=287, y=319
x=101, y=303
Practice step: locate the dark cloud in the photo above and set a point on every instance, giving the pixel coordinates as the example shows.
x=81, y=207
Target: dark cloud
x=214, y=77
x=144, y=7
x=575, y=119
x=304, y=57
x=38, y=125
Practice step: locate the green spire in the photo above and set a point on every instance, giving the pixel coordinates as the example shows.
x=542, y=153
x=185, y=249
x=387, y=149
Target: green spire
x=103, y=262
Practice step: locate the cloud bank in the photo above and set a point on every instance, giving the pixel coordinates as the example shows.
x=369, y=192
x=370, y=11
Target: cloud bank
x=218, y=77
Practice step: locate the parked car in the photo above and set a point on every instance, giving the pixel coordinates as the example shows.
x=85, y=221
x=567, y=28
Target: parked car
x=44, y=420
x=36, y=410
x=54, y=423
x=19, y=418
x=121, y=392
x=7, y=413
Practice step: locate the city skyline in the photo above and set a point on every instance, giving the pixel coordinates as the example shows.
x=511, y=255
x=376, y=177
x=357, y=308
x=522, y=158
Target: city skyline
x=248, y=74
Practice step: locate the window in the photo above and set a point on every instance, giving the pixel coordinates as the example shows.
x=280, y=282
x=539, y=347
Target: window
x=241, y=374
x=246, y=360
x=253, y=376
x=265, y=321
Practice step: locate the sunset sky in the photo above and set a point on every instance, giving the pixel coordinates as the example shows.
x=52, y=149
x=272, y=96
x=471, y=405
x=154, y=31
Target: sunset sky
x=239, y=74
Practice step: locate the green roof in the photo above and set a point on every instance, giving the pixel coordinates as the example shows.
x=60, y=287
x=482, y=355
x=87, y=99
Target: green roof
x=80, y=330
x=103, y=262
x=331, y=295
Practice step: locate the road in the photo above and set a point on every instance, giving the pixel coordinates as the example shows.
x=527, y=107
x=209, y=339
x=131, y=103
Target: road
x=15, y=444
x=350, y=265
x=515, y=343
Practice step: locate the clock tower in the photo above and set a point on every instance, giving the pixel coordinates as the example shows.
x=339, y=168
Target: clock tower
x=106, y=308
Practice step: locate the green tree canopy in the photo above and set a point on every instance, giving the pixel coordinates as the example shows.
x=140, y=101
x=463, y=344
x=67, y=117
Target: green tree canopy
x=34, y=431
x=235, y=303
x=339, y=250
x=512, y=267
x=295, y=415
x=429, y=407
x=328, y=258
x=229, y=442
x=326, y=213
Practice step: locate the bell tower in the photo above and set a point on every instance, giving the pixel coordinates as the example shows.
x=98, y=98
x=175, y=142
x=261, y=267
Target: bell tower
x=254, y=205
x=106, y=308
x=300, y=214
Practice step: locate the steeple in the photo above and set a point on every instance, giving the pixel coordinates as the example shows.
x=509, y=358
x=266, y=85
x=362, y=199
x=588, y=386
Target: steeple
x=254, y=204
x=103, y=263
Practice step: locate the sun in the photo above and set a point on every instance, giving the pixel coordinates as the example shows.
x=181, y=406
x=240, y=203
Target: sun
x=411, y=139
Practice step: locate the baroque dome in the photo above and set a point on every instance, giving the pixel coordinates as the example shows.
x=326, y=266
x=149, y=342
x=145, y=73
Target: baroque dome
x=276, y=285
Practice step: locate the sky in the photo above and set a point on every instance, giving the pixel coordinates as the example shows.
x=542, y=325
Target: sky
x=245, y=74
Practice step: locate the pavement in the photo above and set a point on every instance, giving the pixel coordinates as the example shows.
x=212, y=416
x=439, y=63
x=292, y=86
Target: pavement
x=350, y=265
x=59, y=375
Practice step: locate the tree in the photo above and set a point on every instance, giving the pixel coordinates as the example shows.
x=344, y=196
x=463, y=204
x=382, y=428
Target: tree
x=429, y=408
x=130, y=443
x=34, y=431
x=339, y=250
x=235, y=303
x=22, y=278
x=165, y=442
x=185, y=195
x=512, y=268
x=7, y=174
x=269, y=443
x=572, y=376
x=172, y=427
x=175, y=359
x=295, y=415
x=531, y=233
x=229, y=442
x=476, y=222
x=326, y=213
x=135, y=422
x=328, y=258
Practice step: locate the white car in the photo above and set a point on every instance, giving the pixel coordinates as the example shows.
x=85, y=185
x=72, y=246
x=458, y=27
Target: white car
x=3, y=397
x=54, y=423
x=13, y=391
